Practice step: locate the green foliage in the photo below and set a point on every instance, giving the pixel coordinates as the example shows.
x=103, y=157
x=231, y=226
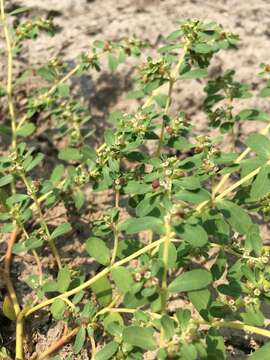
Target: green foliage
x=177, y=228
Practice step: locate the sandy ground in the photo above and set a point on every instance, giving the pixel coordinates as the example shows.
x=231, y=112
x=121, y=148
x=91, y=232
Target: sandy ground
x=80, y=22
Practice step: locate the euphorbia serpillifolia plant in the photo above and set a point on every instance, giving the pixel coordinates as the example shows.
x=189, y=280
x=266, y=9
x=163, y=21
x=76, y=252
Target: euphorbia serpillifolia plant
x=188, y=259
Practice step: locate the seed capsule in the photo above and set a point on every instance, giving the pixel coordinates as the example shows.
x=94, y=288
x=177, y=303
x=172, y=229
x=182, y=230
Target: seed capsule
x=169, y=130
x=155, y=184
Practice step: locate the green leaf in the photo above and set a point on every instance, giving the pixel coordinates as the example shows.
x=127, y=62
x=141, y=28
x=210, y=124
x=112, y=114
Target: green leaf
x=79, y=199
x=140, y=337
x=215, y=345
x=33, y=242
x=5, y=180
x=79, y=340
x=168, y=326
x=35, y=162
x=98, y=250
x=26, y=130
x=63, y=90
x=135, y=225
x=8, y=309
x=253, y=316
x=188, y=183
x=175, y=35
x=201, y=300
x=69, y=154
x=183, y=317
x=107, y=352
x=147, y=205
x=112, y=62
x=19, y=11
x=190, y=281
x=262, y=353
x=6, y=228
x=5, y=130
x=261, y=185
x=57, y=174
x=194, y=197
x=112, y=318
x=253, y=240
x=61, y=230
x=58, y=308
x=46, y=73
x=63, y=280
x=195, y=235
x=260, y=144
x=203, y=48
x=235, y=215
x=103, y=290
x=137, y=187
x=194, y=74
x=122, y=278
x=16, y=198
x=188, y=352
x=161, y=100
x=265, y=92
x=135, y=94
x=252, y=114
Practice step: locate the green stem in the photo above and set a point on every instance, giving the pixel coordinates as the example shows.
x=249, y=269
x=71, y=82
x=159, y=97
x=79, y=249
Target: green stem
x=9, y=87
x=241, y=326
x=230, y=189
x=88, y=283
x=19, y=336
x=115, y=244
x=163, y=293
x=115, y=230
x=240, y=158
x=168, y=102
x=238, y=183
x=42, y=220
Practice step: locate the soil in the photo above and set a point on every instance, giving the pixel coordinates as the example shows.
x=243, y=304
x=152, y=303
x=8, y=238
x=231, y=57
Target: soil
x=81, y=22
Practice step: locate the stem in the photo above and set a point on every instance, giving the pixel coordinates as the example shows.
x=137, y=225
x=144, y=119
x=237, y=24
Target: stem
x=35, y=254
x=241, y=326
x=115, y=230
x=131, y=311
x=93, y=345
x=238, y=183
x=7, y=277
x=231, y=188
x=28, y=311
x=163, y=293
x=19, y=336
x=109, y=307
x=168, y=102
x=9, y=90
x=240, y=158
x=9, y=87
x=42, y=220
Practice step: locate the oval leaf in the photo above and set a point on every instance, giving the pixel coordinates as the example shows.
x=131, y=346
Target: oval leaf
x=191, y=280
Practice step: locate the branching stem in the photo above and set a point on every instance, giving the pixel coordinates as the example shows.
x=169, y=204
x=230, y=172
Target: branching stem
x=42, y=220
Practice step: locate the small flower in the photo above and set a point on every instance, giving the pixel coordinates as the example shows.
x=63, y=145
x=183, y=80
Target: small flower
x=138, y=276
x=257, y=292
x=147, y=275
x=168, y=172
